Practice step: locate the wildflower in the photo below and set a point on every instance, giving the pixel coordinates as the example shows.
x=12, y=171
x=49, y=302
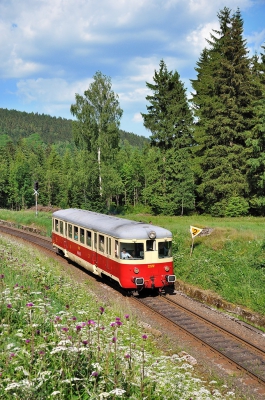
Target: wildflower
x=29, y=304
x=90, y=322
x=78, y=328
x=101, y=309
x=9, y=305
x=119, y=323
x=12, y=355
x=113, y=324
x=41, y=353
x=117, y=392
x=27, y=341
x=94, y=373
x=67, y=306
x=2, y=276
x=37, y=332
x=127, y=316
x=85, y=342
x=74, y=318
x=114, y=339
x=127, y=356
x=144, y=337
x=65, y=329
x=117, y=318
x=57, y=319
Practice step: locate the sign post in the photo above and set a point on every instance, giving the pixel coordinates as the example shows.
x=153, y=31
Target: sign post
x=194, y=232
x=36, y=193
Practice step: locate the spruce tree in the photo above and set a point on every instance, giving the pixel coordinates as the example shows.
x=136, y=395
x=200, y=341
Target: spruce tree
x=223, y=107
x=169, y=119
x=256, y=142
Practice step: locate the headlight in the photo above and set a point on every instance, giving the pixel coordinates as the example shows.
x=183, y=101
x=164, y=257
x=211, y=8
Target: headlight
x=136, y=270
x=166, y=268
x=152, y=235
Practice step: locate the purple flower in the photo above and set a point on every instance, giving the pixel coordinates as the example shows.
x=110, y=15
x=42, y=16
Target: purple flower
x=65, y=329
x=16, y=285
x=9, y=305
x=119, y=323
x=12, y=355
x=37, y=332
x=127, y=316
x=67, y=306
x=29, y=304
x=101, y=309
x=41, y=353
x=90, y=322
x=2, y=276
x=74, y=318
x=114, y=339
x=144, y=337
x=127, y=356
x=57, y=319
x=27, y=341
x=85, y=342
x=113, y=324
x=78, y=328
x=117, y=318
x=94, y=373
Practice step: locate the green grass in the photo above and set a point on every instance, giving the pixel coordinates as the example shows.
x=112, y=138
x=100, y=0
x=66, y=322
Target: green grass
x=229, y=262
x=59, y=342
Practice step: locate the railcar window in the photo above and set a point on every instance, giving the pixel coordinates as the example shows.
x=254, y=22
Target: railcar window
x=88, y=238
x=82, y=235
x=56, y=225
x=61, y=227
x=109, y=250
x=95, y=241
x=76, y=232
x=150, y=245
x=101, y=243
x=164, y=249
x=116, y=249
x=70, y=234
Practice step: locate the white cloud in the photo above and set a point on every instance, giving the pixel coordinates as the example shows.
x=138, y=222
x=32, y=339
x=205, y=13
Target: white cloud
x=137, y=118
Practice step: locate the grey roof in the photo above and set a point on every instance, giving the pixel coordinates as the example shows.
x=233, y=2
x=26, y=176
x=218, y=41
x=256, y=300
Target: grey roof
x=118, y=227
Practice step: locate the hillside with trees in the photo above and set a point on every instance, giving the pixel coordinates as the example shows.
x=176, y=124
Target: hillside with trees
x=204, y=155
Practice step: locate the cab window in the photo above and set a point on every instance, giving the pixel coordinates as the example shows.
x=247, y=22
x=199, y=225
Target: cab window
x=70, y=231
x=164, y=249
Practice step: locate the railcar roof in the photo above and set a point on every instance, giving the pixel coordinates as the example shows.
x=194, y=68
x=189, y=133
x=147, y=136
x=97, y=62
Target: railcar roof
x=110, y=225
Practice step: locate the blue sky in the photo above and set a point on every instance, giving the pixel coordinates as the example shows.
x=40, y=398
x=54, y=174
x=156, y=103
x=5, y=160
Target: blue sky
x=51, y=49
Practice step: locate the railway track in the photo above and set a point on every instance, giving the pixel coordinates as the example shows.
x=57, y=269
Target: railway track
x=243, y=354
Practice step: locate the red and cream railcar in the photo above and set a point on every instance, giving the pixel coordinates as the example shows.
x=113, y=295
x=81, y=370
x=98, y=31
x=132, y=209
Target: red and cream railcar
x=135, y=254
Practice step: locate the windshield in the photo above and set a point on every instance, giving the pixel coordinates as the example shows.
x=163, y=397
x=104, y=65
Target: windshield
x=131, y=251
x=164, y=249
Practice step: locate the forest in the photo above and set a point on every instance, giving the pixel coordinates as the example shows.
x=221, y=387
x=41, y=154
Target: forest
x=205, y=155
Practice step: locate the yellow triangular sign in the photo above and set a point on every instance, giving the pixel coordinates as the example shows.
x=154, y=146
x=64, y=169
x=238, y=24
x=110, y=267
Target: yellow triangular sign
x=195, y=231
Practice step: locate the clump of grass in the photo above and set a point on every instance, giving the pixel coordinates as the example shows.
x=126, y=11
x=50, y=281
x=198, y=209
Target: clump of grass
x=58, y=342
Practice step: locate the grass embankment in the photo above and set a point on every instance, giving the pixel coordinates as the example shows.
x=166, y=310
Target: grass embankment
x=58, y=342
x=229, y=262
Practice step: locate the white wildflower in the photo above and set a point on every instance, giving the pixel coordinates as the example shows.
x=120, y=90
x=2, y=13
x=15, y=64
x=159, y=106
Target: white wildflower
x=12, y=386
x=55, y=393
x=117, y=392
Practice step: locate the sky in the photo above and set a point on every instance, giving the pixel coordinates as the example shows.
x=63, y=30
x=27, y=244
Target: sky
x=51, y=49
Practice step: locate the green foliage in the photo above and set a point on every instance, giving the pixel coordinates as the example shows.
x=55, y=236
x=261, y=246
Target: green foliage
x=223, y=105
x=57, y=340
